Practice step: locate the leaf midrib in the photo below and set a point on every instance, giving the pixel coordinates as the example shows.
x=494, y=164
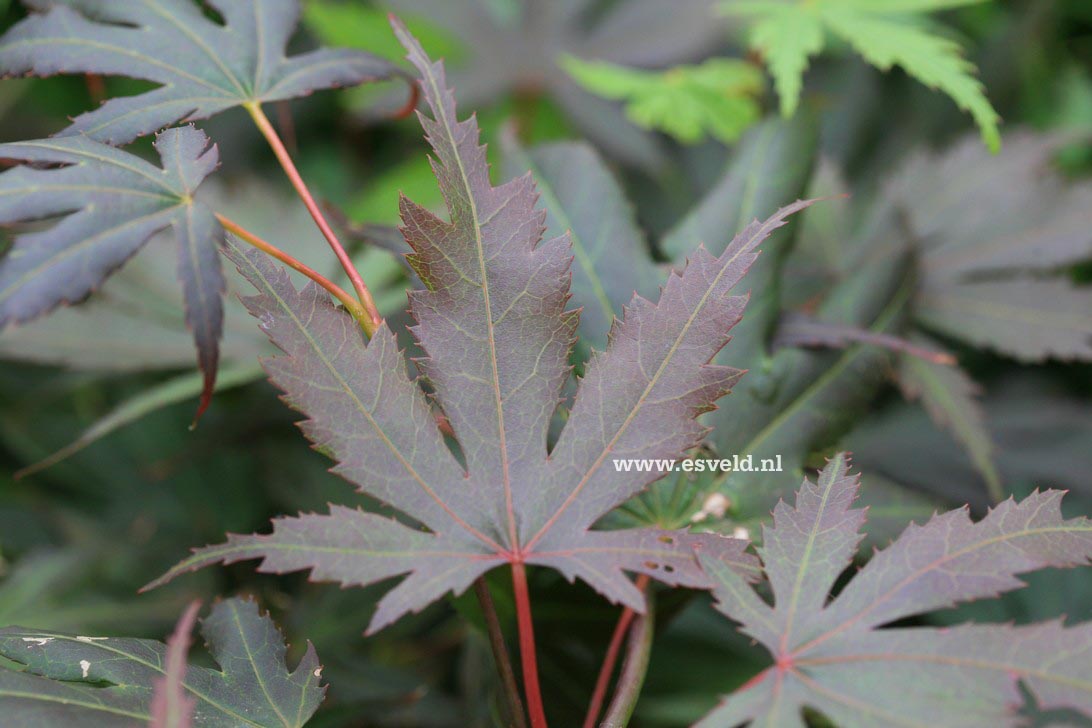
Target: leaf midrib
x=805, y=560
x=173, y=70
x=980, y=663
x=647, y=391
x=254, y=664
x=441, y=112
x=78, y=703
x=579, y=250
x=83, y=244
x=889, y=593
x=199, y=42
x=101, y=158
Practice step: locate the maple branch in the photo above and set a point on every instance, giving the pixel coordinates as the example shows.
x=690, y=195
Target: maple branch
x=351, y=304
x=634, y=668
x=527, y=646
x=267, y=130
x=500, y=653
x=611, y=658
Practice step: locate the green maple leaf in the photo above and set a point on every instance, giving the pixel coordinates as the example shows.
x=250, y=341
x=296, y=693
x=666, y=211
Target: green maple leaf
x=87, y=682
x=886, y=33
x=716, y=98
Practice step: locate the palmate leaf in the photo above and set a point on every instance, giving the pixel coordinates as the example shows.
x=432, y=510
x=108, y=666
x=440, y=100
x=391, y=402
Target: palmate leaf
x=830, y=655
x=992, y=244
x=1024, y=219
x=886, y=32
x=131, y=322
x=114, y=202
x=78, y=681
x=497, y=336
x=202, y=67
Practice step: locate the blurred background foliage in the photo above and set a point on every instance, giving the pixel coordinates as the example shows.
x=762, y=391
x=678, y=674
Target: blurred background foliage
x=685, y=126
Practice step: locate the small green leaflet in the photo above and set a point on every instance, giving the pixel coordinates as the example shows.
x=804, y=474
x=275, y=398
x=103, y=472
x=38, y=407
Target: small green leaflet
x=113, y=203
x=494, y=325
x=831, y=655
x=716, y=98
x=202, y=67
x=886, y=32
x=89, y=682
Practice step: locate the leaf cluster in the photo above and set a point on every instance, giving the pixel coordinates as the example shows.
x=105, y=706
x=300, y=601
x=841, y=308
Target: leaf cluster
x=558, y=320
x=887, y=33
x=111, y=201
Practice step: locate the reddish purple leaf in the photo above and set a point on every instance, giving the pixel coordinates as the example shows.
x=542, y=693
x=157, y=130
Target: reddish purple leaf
x=113, y=202
x=497, y=338
x=831, y=655
x=203, y=67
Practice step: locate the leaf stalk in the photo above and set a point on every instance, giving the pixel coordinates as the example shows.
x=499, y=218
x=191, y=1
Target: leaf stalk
x=527, y=646
x=500, y=654
x=352, y=305
x=285, y=159
x=599, y=695
x=634, y=668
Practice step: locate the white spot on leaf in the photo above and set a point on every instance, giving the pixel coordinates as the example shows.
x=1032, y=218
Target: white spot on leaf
x=741, y=533
x=90, y=640
x=40, y=641
x=318, y=672
x=85, y=666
